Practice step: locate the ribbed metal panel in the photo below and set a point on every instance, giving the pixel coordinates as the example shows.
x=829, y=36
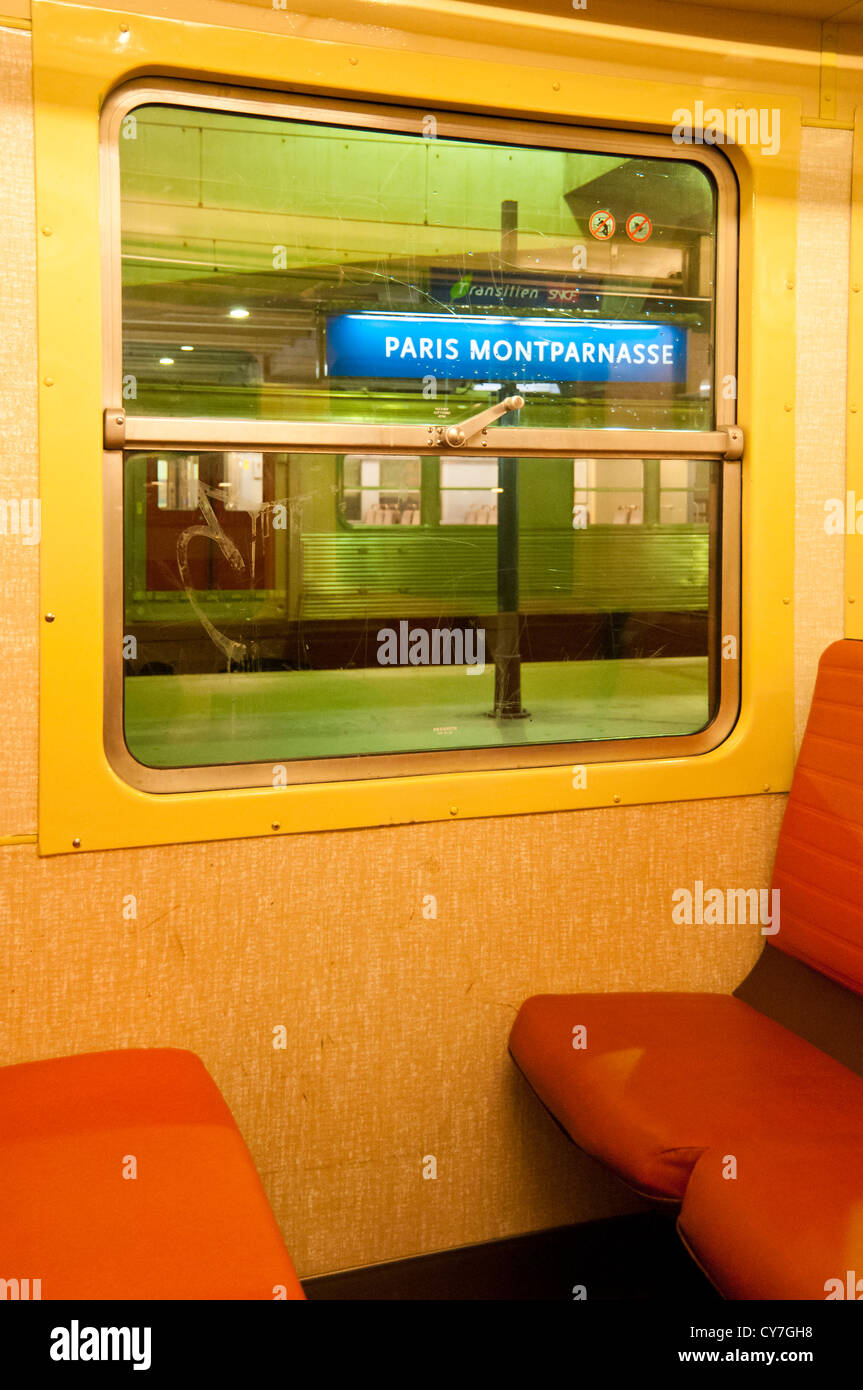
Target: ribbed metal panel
x=603, y=569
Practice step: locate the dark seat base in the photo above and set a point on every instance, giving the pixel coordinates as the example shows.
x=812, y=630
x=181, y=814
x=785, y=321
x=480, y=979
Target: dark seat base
x=808, y=1004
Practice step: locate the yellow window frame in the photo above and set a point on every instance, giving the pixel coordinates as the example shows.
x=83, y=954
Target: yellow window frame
x=81, y=55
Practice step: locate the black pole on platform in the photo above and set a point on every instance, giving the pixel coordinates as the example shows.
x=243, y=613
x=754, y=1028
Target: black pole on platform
x=507, y=656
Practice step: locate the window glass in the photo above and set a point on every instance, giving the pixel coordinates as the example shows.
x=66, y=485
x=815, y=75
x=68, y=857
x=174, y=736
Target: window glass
x=266, y=629
x=382, y=491
x=317, y=564
x=633, y=492
x=285, y=269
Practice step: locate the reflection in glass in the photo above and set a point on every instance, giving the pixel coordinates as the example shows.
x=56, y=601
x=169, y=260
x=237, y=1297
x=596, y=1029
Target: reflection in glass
x=278, y=615
x=290, y=270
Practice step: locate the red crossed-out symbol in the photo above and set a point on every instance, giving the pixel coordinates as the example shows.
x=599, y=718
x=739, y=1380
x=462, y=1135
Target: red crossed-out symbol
x=601, y=224
x=638, y=227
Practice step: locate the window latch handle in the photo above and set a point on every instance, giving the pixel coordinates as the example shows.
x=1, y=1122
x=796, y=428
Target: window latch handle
x=458, y=435
x=733, y=443
x=114, y=428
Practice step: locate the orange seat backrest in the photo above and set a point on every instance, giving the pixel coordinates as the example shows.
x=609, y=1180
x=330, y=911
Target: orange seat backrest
x=819, y=862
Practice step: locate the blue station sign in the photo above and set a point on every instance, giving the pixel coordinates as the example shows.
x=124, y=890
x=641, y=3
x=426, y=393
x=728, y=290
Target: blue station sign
x=482, y=347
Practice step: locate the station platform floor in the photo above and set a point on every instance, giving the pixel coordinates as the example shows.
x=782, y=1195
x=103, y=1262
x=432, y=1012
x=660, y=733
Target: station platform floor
x=276, y=716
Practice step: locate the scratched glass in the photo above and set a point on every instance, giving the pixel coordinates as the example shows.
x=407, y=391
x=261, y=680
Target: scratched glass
x=291, y=606
x=294, y=270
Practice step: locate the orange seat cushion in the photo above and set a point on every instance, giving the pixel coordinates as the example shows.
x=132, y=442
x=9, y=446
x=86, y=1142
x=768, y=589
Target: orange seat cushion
x=788, y=1226
x=819, y=860
x=665, y=1076
x=194, y=1222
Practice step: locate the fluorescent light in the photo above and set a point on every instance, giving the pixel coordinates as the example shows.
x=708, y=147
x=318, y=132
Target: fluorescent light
x=238, y=313
x=186, y=348
x=166, y=361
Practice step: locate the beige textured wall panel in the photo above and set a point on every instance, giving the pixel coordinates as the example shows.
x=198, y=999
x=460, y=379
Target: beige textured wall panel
x=19, y=563
x=824, y=229
x=396, y=1023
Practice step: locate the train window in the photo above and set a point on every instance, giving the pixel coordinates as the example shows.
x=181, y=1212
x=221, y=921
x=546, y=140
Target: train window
x=381, y=491
x=386, y=492
x=635, y=492
x=469, y=490
x=424, y=440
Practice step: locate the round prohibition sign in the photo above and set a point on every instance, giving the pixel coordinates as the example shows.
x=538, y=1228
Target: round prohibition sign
x=638, y=227
x=601, y=224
